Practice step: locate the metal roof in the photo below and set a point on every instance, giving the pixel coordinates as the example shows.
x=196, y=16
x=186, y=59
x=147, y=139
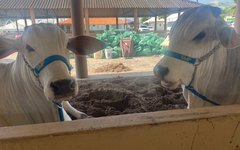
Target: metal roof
x=97, y=8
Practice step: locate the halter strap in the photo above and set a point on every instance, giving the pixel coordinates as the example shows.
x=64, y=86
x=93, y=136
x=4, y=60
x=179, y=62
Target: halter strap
x=36, y=71
x=190, y=60
x=195, y=62
x=50, y=60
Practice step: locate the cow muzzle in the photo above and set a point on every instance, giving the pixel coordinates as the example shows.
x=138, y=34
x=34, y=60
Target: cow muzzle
x=63, y=88
x=160, y=71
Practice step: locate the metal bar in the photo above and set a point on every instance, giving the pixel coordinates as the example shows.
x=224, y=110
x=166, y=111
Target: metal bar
x=78, y=29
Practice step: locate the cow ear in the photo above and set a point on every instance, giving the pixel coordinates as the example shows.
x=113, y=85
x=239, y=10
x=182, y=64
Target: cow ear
x=84, y=45
x=229, y=37
x=7, y=47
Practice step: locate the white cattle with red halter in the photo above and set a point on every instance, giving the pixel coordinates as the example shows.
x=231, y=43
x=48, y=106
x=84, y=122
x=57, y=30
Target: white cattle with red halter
x=36, y=86
x=204, y=57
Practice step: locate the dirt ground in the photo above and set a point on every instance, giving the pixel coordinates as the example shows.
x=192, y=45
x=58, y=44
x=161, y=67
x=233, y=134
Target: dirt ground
x=136, y=64
x=126, y=95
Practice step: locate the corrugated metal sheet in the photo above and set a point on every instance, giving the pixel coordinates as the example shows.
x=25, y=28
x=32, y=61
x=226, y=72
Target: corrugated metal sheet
x=97, y=8
x=65, y=4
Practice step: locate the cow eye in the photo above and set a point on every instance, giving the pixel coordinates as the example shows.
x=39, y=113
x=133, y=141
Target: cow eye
x=29, y=48
x=199, y=37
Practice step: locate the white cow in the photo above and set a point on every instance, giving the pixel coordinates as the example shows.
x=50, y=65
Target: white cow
x=27, y=97
x=201, y=33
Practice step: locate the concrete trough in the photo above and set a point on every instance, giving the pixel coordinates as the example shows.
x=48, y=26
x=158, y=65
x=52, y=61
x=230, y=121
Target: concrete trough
x=204, y=128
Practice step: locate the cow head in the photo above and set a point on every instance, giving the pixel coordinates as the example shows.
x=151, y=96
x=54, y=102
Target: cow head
x=43, y=42
x=194, y=34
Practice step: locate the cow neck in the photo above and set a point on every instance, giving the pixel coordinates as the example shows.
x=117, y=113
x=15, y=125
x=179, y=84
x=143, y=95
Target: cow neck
x=191, y=86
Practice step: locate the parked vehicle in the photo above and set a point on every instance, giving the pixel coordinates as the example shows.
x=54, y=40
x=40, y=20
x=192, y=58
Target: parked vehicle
x=143, y=28
x=151, y=28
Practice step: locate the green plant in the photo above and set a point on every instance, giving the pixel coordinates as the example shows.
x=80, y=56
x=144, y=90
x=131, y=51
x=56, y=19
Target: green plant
x=144, y=44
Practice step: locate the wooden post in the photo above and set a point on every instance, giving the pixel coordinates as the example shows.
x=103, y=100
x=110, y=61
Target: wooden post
x=165, y=22
x=155, y=24
x=87, y=21
x=136, y=22
x=78, y=29
x=237, y=20
x=117, y=24
x=25, y=21
x=17, y=25
x=32, y=14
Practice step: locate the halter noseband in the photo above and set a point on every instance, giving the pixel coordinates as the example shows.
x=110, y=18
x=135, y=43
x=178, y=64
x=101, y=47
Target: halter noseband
x=195, y=62
x=37, y=69
x=50, y=60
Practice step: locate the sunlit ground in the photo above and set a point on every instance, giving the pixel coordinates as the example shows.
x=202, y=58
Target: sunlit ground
x=136, y=64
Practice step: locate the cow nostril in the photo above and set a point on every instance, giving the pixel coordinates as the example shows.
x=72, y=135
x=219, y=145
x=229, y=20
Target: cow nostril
x=72, y=85
x=63, y=87
x=54, y=86
x=161, y=71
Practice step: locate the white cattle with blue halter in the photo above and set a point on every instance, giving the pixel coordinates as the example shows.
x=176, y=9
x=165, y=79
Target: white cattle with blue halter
x=204, y=57
x=37, y=86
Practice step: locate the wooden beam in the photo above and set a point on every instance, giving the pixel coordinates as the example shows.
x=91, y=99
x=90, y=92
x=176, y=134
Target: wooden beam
x=237, y=20
x=117, y=24
x=136, y=21
x=32, y=14
x=211, y=128
x=78, y=29
x=155, y=24
x=87, y=23
x=165, y=22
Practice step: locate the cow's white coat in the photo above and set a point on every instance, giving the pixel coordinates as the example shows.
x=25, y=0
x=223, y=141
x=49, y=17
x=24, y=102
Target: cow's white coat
x=22, y=101
x=218, y=77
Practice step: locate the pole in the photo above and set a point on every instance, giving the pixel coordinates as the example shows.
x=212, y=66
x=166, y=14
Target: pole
x=25, y=21
x=165, y=22
x=237, y=20
x=57, y=19
x=117, y=24
x=78, y=29
x=32, y=14
x=17, y=25
x=87, y=21
x=136, y=22
x=155, y=24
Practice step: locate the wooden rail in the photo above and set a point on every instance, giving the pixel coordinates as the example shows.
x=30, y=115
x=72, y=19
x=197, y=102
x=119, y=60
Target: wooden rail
x=215, y=128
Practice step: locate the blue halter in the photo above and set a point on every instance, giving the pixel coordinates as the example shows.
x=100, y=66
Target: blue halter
x=44, y=64
x=195, y=62
x=179, y=56
x=36, y=70
x=50, y=60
